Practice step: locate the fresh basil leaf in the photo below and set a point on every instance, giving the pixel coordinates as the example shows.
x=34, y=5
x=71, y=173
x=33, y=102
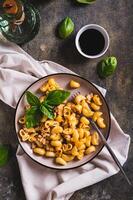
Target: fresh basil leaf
x=47, y=105
x=107, y=66
x=49, y=109
x=57, y=97
x=47, y=112
x=33, y=116
x=32, y=99
x=66, y=27
x=4, y=155
x=86, y=1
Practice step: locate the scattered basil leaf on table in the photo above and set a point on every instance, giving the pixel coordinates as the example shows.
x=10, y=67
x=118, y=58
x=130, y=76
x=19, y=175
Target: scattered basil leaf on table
x=107, y=66
x=4, y=155
x=86, y=1
x=66, y=27
x=32, y=99
x=34, y=114
x=57, y=97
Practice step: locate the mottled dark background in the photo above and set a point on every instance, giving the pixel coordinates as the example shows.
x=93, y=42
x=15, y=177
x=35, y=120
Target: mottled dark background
x=117, y=17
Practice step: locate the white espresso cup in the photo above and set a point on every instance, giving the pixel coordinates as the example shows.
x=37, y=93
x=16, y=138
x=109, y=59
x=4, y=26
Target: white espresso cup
x=99, y=29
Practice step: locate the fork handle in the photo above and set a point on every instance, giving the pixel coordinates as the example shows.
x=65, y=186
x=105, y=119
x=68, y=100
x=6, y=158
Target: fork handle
x=111, y=152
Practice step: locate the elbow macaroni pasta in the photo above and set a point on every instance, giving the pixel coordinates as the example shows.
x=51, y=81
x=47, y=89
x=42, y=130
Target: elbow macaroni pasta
x=69, y=136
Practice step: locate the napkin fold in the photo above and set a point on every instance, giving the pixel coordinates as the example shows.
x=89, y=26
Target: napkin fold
x=17, y=71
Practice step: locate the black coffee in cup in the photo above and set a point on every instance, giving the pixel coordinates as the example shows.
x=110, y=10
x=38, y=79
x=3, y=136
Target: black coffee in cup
x=92, y=42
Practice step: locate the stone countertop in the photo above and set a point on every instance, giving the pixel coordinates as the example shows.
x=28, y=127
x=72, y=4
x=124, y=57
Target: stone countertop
x=117, y=18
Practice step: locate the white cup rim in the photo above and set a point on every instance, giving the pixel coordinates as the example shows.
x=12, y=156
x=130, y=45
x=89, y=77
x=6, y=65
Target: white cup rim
x=103, y=32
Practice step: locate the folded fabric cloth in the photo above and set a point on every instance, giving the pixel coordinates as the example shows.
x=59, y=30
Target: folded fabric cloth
x=17, y=71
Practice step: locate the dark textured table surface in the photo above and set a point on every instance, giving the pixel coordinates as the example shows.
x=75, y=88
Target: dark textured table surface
x=117, y=18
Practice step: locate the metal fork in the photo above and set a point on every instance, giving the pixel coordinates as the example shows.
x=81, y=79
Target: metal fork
x=110, y=150
x=94, y=125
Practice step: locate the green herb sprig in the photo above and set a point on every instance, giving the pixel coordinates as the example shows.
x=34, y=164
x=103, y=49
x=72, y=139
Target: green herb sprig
x=86, y=1
x=38, y=109
x=4, y=154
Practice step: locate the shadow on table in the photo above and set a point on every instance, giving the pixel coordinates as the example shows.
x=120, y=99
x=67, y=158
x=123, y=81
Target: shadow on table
x=69, y=53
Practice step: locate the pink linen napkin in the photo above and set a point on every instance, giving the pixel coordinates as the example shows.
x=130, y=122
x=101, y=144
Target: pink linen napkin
x=17, y=71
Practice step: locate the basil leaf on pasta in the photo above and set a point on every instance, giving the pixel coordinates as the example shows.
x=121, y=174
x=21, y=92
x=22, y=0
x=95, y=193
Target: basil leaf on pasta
x=32, y=99
x=47, y=111
x=33, y=116
x=57, y=97
x=49, y=107
x=54, y=98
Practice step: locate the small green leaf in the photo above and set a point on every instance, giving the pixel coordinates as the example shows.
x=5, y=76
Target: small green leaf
x=46, y=105
x=32, y=99
x=50, y=108
x=66, y=27
x=86, y=1
x=33, y=116
x=4, y=155
x=47, y=112
x=57, y=97
x=107, y=67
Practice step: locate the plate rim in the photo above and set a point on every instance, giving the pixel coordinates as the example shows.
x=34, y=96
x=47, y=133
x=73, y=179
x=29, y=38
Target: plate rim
x=108, y=132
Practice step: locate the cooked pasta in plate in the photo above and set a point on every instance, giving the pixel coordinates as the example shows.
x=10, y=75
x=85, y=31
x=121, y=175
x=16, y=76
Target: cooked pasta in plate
x=53, y=124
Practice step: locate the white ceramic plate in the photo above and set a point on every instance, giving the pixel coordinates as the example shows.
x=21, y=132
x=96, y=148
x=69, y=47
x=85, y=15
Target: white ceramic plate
x=63, y=80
